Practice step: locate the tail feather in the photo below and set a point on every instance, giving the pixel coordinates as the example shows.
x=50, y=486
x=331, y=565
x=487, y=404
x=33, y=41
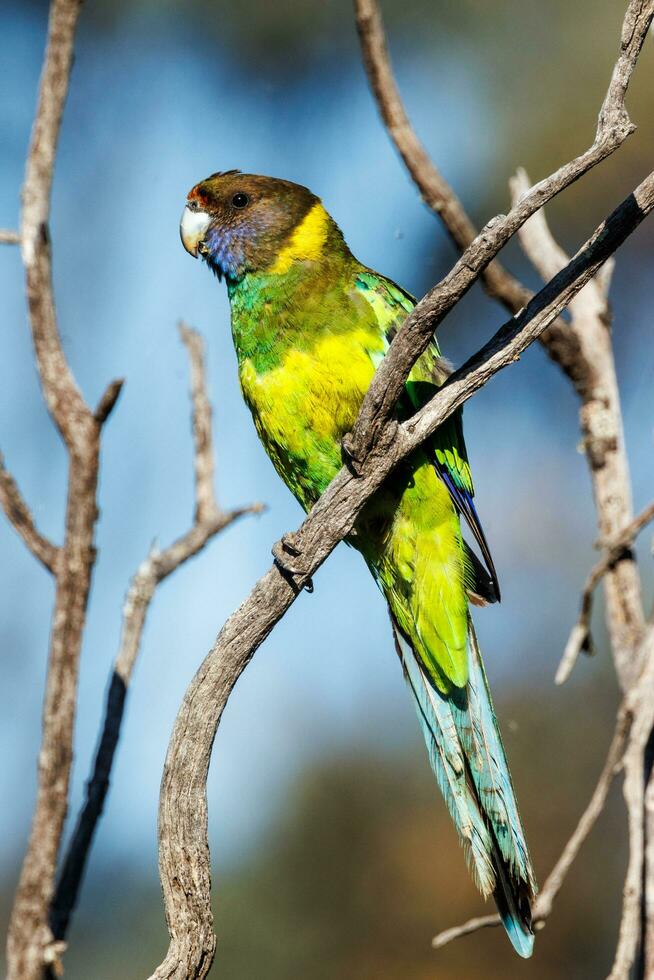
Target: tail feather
x=467, y=757
x=449, y=766
x=479, y=731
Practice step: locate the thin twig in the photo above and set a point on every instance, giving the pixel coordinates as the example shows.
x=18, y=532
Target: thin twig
x=580, y=638
x=8, y=237
x=183, y=847
x=18, y=514
x=208, y=521
x=545, y=901
x=465, y=929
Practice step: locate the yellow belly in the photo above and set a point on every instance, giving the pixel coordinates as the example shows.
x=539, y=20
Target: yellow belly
x=303, y=407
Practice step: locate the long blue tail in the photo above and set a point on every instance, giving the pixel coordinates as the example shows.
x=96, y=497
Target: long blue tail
x=467, y=757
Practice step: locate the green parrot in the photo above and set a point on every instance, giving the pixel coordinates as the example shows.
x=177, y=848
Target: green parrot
x=310, y=325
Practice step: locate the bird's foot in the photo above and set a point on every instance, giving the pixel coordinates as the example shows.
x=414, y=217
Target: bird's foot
x=350, y=455
x=286, y=552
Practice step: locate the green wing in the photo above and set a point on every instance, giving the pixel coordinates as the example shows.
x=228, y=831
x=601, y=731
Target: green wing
x=391, y=305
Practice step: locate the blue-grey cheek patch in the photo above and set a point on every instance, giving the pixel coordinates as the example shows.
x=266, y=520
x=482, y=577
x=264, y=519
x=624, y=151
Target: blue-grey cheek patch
x=225, y=251
x=227, y=245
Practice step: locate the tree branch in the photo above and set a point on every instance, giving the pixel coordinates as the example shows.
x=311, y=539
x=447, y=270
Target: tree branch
x=29, y=943
x=8, y=237
x=603, y=437
x=183, y=847
x=560, y=344
x=640, y=702
x=18, y=514
x=612, y=129
x=580, y=638
x=63, y=398
x=208, y=521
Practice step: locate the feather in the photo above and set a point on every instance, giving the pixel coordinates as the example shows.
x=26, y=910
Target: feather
x=468, y=760
x=449, y=766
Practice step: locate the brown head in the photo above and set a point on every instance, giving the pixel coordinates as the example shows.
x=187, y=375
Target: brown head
x=240, y=223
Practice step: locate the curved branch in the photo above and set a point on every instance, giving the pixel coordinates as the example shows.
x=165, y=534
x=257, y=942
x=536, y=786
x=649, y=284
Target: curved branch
x=183, y=845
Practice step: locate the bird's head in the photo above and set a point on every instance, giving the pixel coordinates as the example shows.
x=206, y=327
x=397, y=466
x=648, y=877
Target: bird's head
x=240, y=223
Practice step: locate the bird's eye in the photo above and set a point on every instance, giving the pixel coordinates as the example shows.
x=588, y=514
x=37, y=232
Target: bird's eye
x=240, y=200
x=192, y=205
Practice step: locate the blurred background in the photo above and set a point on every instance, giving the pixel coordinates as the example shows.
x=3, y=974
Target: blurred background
x=333, y=856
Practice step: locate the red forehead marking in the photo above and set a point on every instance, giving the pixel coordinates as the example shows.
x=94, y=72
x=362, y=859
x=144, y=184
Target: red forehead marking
x=197, y=195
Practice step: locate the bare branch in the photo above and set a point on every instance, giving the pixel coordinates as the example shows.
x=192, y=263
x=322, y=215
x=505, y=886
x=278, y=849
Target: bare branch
x=640, y=704
x=594, y=375
x=561, y=345
x=557, y=875
x=183, y=847
x=18, y=514
x=62, y=396
x=205, y=501
x=8, y=237
x=580, y=638
x=29, y=943
x=208, y=521
x=613, y=128
x=465, y=929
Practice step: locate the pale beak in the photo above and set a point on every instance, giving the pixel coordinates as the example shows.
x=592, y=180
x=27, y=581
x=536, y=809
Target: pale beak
x=192, y=229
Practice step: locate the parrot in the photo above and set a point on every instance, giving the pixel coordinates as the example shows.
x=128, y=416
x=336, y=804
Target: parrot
x=310, y=325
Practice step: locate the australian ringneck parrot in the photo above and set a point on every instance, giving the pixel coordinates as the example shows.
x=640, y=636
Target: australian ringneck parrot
x=310, y=325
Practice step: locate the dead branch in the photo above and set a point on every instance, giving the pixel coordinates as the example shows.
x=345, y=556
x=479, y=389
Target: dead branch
x=640, y=704
x=465, y=929
x=18, y=514
x=580, y=638
x=612, y=129
x=434, y=189
x=29, y=944
x=559, y=342
x=603, y=440
x=8, y=237
x=183, y=847
x=208, y=521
